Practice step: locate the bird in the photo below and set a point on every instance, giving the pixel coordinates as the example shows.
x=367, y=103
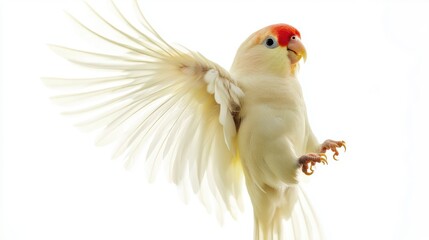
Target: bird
x=218, y=132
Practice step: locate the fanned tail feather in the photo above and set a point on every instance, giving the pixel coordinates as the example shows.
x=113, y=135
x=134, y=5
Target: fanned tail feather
x=294, y=219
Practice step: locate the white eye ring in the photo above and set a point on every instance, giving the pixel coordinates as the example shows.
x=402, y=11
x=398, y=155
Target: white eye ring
x=294, y=37
x=271, y=42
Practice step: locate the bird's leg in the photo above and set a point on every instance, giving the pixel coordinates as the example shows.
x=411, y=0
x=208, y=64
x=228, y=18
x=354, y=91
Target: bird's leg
x=332, y=145
x=309, y=160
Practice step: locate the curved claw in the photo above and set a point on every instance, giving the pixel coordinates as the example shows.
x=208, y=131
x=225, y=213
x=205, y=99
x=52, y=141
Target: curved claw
x=323, y=158
x=305, y=169
x=344, y=145
x=308, y=173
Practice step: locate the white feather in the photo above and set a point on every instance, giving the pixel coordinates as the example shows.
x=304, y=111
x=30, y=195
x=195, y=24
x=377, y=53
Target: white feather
x=162, y=104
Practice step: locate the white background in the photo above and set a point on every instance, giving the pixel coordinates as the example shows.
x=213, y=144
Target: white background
x=365, y=81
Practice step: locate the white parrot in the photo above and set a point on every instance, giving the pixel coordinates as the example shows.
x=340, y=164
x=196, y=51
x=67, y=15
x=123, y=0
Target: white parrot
x=210, y=127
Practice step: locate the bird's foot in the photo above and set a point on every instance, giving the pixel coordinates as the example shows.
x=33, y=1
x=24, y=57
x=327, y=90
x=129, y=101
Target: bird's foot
x=309, y=160
x=333, y=145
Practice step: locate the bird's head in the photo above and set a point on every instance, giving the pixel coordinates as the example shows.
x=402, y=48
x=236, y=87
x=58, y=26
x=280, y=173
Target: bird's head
x=275, y=49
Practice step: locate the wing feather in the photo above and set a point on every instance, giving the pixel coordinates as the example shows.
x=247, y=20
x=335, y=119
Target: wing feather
x=165, y=105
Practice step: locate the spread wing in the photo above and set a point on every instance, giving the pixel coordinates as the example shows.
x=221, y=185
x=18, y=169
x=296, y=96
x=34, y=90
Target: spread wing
x=164, y=105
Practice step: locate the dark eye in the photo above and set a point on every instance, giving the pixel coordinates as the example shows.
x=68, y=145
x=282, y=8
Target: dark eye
x=293, y=37
x=271, y=42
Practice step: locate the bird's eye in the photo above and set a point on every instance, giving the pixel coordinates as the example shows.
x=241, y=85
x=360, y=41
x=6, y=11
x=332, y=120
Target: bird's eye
x=293, y=37
x=271, y=42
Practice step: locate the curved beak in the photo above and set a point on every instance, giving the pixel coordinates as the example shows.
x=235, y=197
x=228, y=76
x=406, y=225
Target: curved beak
x=296, y=50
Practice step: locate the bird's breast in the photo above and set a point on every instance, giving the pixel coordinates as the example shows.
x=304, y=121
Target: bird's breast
x=272, y=131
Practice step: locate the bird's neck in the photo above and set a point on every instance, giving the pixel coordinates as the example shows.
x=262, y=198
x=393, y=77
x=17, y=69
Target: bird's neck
x=271, y=89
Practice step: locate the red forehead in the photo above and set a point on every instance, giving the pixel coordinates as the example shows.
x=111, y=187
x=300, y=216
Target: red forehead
x=284, y=32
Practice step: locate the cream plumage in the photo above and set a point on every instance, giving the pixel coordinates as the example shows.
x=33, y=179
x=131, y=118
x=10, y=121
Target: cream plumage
x=211, y=127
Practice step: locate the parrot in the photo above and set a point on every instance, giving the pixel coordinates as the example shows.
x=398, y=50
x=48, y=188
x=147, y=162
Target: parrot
x=215, y=131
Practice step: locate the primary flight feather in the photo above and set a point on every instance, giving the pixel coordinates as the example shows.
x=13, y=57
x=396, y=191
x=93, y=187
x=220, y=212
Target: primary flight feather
x=213, y=128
